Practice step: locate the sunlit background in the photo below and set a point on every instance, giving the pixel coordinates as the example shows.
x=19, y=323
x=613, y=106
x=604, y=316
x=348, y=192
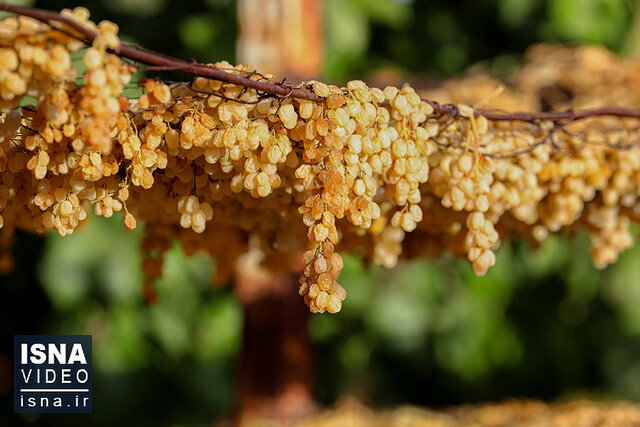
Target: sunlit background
x=542, y=323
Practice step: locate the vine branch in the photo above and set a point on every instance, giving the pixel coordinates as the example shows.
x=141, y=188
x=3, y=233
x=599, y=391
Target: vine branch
x=161, y=62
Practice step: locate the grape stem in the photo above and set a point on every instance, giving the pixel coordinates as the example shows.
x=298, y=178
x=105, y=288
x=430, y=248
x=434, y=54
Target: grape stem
x=161, y=62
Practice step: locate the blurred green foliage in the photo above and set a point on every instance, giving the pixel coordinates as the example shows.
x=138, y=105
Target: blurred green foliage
x=445, y=37
x=542, y=323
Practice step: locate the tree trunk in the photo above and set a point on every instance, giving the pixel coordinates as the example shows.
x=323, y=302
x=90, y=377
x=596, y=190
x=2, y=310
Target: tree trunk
x=275, y=377
x=282, y=37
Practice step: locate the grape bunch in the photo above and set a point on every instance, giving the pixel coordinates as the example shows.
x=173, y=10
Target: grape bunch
x=225, y=169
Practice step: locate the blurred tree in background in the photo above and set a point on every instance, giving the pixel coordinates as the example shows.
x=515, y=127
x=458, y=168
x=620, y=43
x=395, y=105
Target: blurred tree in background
x=542, y=323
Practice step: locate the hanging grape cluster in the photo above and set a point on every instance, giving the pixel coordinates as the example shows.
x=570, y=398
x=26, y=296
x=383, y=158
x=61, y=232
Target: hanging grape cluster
x=222, y=167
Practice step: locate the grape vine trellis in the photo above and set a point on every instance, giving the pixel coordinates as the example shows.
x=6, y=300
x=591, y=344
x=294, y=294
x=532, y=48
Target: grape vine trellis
x=234, y=161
